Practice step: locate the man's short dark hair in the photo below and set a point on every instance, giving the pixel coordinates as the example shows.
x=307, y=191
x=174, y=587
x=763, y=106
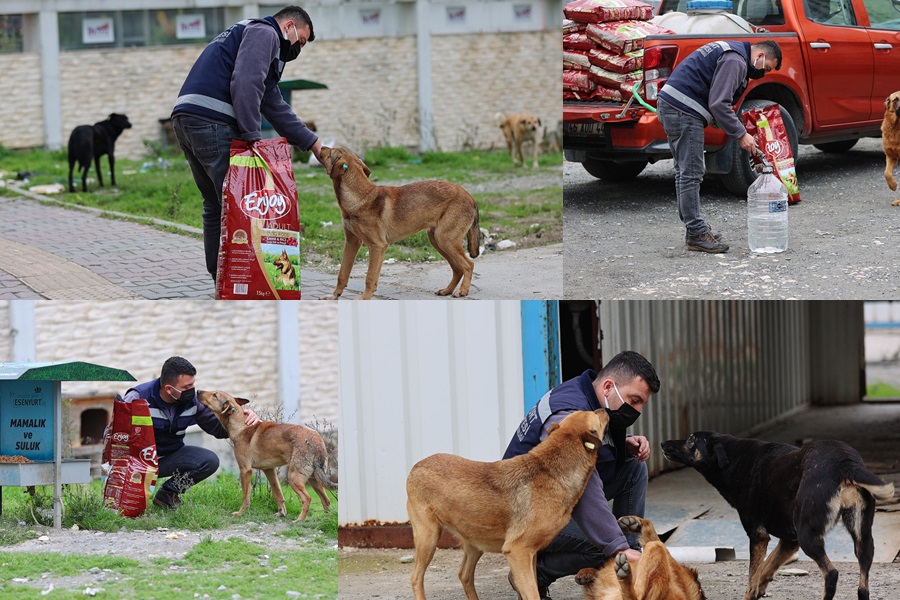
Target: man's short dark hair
x=175, y=367
x=627, y=365
x=295, y=13
x=772, y=50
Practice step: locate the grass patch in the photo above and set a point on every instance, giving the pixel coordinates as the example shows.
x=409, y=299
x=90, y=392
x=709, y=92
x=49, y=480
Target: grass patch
x=882, y=390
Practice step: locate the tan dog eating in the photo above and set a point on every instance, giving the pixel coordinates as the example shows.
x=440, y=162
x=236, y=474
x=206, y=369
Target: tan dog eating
x=376, y=216
x=890, y=140
x=657, y=576
x=269, y=445
x=514, y=506
x=519, y=129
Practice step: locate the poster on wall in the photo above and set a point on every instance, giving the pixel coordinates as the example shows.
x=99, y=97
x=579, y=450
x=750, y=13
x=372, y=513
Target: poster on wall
x=189, y=27
x=522, y=12
x=370, y=17
x=26, y=419
x=98, y=31
x=456, y=14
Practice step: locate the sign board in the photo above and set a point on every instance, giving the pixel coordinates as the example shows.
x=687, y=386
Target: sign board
x=189, y=27
x=26, y=419
x=98, y=31
x=456, y=14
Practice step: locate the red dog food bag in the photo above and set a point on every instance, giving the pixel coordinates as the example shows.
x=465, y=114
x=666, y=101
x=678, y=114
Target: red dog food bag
x=598, y=11
x=767, y=126
x=577, y=81
x=622, y=37
x=133, y=461
x=259, y=253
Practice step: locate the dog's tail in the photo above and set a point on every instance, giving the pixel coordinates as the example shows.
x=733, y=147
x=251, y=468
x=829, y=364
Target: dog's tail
x=473, y=237
x=499, y=118
x=322, y=476
x=882, y=493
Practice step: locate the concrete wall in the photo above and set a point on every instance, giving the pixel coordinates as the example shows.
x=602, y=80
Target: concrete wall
x=21, y=119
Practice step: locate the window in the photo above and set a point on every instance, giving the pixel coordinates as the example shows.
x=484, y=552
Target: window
x=10, y=33
x=883, y=14
x=132, y=28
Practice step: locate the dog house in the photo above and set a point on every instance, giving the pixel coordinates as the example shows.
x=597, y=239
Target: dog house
x=31, y=425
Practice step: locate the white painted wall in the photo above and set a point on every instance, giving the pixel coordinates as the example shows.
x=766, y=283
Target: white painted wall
x=419, y=378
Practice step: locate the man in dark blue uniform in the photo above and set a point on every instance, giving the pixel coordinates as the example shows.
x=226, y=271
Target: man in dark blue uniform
x=704, y=88
x=231, y=86
x=622, y=387
x=174, y=407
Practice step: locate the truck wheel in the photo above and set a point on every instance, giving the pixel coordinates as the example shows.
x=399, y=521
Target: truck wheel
x=742, y=174
x=610, y=170
x=836, y=147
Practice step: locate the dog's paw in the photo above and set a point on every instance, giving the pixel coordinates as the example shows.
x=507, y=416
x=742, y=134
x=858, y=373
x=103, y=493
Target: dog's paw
x=237, y=513
x=586, y=576
x=443, y=292
x=623, y=569
x=631, y=524
x=280, y=513
x=330, y=297
x=896, y=202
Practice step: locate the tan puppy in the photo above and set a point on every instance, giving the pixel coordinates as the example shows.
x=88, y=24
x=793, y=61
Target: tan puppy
x=269, y=445
x=519, y=129
x=376, y=216
x=514, y=506
x=890, y=139
x=655, y=577
x=286, y=270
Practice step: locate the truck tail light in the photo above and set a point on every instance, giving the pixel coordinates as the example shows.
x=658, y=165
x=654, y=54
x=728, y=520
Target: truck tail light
x=658, y=64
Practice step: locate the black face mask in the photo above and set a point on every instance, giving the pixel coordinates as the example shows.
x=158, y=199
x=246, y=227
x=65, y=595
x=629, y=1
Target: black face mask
x=186, y=395
x=754, y=73
x=623, y=417
x=289, y=51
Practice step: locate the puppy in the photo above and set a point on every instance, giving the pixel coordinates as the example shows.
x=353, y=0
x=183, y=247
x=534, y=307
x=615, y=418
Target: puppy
x=376, y=216
x=657, y=576
x=90, y=142
x=890, y=139
x=795, y=494
x=519, y=129
x=514, y=506
x=286, y=270
x=269, y=445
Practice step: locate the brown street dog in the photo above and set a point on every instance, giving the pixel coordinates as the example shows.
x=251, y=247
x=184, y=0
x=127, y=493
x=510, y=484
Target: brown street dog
x=519, y=129
x=796, y=494
x=514, y=506
x=286, y=270
x=269, y=445
x=376, y=216
x=657, y=576
x=890, y=140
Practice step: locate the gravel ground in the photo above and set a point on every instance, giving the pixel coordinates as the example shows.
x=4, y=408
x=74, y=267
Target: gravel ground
x=625, y=240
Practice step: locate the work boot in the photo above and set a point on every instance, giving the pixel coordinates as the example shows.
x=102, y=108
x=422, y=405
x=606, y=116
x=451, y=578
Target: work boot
x=706, y=242
x=544, y=592
x=165, y=499
x=716, y=236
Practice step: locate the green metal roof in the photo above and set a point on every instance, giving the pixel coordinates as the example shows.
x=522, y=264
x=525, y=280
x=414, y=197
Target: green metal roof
x=62, y=371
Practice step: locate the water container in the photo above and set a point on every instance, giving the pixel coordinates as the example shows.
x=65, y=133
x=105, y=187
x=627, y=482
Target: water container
x=767, y=214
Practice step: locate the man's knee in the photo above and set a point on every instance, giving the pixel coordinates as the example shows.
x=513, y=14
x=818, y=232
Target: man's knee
x=208, y=462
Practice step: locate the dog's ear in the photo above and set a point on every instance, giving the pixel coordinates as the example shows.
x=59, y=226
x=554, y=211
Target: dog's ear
x=721, y=456
x=242, y=401
x=553, y=427
x=895, y=104
x=366, y=169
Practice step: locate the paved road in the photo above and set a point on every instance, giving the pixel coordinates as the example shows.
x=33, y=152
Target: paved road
x=48, y=251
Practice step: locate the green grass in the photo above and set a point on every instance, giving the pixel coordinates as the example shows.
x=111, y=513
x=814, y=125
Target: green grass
x=529, y=217
x=238, y=565
x=882, y=390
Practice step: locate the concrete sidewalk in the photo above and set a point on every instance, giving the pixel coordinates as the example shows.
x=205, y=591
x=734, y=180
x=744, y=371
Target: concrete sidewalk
x=51, y=251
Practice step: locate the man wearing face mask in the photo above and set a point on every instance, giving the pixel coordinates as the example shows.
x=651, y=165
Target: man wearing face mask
x=173, y=408
x=704, y=88
x=231, y=86
x=622, y=388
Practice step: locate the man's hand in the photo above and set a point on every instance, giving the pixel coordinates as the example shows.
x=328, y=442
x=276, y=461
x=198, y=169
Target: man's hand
x=633, y=556
x=316, y=149
x=748, y=143
x=251, y=417
x=639, y=447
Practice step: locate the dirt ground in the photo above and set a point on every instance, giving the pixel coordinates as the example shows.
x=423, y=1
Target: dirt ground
x=385, y=574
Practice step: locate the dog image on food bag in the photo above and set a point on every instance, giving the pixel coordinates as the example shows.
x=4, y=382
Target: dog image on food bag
x=286, y=270
x=514, y=506
x=657, y=576
x=267, y=446
x=519, y=129
x=890, y=140
x=796, y=494
x=376, y=216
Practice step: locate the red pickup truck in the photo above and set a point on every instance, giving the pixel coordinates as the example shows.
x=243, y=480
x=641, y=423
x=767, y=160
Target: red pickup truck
x=841, y=59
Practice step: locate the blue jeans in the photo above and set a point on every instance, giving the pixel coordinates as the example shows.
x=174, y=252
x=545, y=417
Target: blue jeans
x=187, y=466
x=207, y=147
x=570, y=551
x=685, y=133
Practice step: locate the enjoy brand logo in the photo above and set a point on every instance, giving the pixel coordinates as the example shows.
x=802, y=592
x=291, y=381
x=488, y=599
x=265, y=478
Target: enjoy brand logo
x=774, y=147
x=264, y=204
x=148, y=455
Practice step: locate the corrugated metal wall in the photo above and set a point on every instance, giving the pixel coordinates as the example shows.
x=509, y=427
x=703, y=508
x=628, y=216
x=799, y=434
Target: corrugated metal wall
x=732, y=366
x=419, y=378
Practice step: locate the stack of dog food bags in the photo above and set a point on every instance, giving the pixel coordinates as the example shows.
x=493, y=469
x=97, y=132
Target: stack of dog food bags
x=130, y=453
x=603, y=48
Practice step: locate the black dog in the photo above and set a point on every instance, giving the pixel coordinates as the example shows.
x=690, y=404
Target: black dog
x=795, y=494
x=90, y=142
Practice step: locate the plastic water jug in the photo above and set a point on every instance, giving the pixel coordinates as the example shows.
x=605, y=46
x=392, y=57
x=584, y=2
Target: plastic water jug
x=767, y=214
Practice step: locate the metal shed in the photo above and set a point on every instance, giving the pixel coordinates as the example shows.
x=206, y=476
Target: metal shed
x=31, y=424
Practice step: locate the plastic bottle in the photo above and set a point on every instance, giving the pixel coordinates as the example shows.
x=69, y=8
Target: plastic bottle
x=767, y=216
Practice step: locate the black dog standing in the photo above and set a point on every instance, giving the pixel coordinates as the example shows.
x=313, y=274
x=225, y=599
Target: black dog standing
x=90, y=142
x=795, y=494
